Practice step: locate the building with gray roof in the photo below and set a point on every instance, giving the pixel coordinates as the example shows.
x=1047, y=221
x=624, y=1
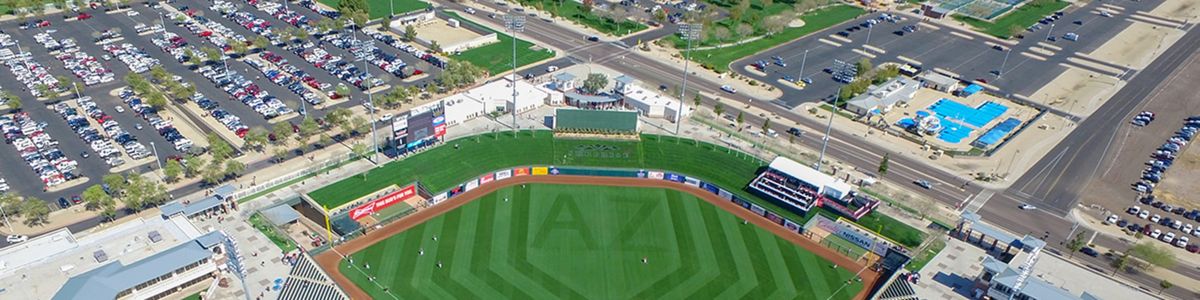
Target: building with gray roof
x=880, y=98
x=153, y=277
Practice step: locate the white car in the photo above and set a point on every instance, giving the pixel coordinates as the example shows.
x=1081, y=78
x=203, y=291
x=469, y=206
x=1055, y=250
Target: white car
x=1112, y=219
x=728, y=89
x=16, y=238
x=1155, y=219
x=1181, y=242
x=1155, y=234
x=1134, y=210
x=1144, y=214
x=120, y=109
x=1169, y=237
x=131, y=13
x=1027, y=207
x=386, y=117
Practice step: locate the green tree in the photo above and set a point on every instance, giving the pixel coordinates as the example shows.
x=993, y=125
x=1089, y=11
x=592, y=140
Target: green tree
x=172, y=170
x=116, y=183
x=358, y=123
x=156, y=99
x=212, y=54
x=159, y=73
x=234, y=167
x=863, y=66
x=410, y=33
x=261, y=42
x=238, y=47
x=280, y=154
x=341, y=115
x=219, y=149
x=13, y=102
x=460, y=74
x=213, y=175
x=740, y=120
x=435, y=46
x=282, y=131
x=359, y=149
x=696, y=100
x=766, y=126
x=1074, y=245
x=308, y=128
x=195, y=165
x=385, y=24
x=883, y=164
x=256, y=138
x=95, y=197
x=44, y=90
x=719, y=108
x=1015, y=30
x=342, y=89
x=595, y=82
x=36, y=212
x=1153, y=254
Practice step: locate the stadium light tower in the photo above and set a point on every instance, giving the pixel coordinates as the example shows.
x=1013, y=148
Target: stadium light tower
x=515, y=23
x=689, y=32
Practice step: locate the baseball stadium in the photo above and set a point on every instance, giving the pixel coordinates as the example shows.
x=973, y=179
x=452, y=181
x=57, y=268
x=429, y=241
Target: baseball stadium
x=520, y=215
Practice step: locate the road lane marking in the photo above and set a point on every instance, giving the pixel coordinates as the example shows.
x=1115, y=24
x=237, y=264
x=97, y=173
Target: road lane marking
x=1033, y=56
x=876, y=49
x=927, y=25
x=840, y=38
x=1049, y=46
x=1153, y=21
x=1039, y=173
x=962, y=35
x=946, y=72
x=1075, y=62
x=1115, y=7
x=863, y=53
x=909, y=60
x=831, y=43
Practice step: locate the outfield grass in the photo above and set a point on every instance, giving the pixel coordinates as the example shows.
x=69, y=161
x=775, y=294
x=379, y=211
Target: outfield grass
x=720, y=58
x=925, y=255
x=496, y=58
x=588, y=242
x=574, y=11
x=382, y=8
x=1022, y=17
x=441, y=168
x=278, y=238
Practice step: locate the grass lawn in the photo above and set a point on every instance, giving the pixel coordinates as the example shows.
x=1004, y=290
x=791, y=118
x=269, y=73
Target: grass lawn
x=892, y=228
x=921, y=259
x=441, y=168
x=291, y=182
x=381, y=8
x=574, y=11
x=720, y=58
x=497, y=57
x=541, y=245
x=195, y=296
x=1022, y=17
x=278, y=238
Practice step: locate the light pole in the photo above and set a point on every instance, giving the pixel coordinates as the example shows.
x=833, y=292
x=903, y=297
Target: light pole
x=515, y=23
x=690, y=32
x=1000, y=73
x=370, y=100
x=6, y=223
x=825, y=140
x=1049, y=31
x=868, y=41
x=802, y=61
x=156, y=160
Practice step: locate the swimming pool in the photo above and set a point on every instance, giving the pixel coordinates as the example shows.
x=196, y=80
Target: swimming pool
x=976, y=117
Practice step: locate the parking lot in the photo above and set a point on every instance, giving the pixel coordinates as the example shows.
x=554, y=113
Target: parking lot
x=970, y=56
x=274, y=84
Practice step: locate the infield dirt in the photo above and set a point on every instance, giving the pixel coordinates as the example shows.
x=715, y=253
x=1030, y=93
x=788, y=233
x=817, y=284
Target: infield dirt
x=329, y=260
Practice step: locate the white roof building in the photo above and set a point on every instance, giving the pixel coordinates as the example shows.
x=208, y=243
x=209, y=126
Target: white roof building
x=649, y=102
x=826, y=184
x=884, y=96
x=492, y=97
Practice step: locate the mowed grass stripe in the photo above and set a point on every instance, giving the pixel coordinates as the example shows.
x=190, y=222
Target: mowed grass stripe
x=726, y=257
x=519, y=248
x=481, y=259
x=470, y=241
x=802, y=280
x=508, y=225
x=745, y=259
x=446, y=245
x=777, y=268
x=701, y=264
x=812, y=265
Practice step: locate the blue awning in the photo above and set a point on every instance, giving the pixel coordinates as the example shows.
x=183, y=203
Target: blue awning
x=973, y=88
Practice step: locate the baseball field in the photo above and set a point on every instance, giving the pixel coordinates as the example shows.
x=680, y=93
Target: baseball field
x=594, y=241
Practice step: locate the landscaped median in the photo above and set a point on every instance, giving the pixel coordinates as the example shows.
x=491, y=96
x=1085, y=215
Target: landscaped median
x=719, y=59
x=382, y=8
x=441, y=168
x=496, y=58
x=1016, y=21
x=601, y=20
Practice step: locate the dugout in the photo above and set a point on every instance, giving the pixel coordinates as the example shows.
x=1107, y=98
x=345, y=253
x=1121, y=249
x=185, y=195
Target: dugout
x=378, y=207
x=572, y=121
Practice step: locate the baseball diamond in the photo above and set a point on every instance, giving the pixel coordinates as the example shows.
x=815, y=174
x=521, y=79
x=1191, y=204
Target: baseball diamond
x=590, y=238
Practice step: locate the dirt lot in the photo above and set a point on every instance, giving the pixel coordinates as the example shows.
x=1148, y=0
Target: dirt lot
x=1077, y=91
x=1178, y=9
x=1179, y=187
x=1137, y=45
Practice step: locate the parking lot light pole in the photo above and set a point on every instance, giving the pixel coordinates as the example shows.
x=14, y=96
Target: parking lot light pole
x=1000, y=73
x=1049, y=31
x=514, y=23
x=868, y=41
x=6, y=223
x=156, y=160
x=802, y=61
x=690, y=32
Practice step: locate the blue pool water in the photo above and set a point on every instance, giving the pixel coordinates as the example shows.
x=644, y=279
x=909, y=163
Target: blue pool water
x=955, y=118
x=906, y=123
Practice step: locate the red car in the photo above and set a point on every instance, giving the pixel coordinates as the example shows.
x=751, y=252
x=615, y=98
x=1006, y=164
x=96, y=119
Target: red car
x=83, y=16
x=1193, y=248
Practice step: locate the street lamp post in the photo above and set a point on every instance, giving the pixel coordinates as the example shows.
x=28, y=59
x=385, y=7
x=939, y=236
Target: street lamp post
x=690, y=32
x=1049, y=31
x=802, y=61
x=868, y=41
x=1000, y=73
x=370, y=100
x=515, y=23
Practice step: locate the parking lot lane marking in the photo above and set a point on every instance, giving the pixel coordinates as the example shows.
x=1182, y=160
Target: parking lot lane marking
x=1154, y=20
x=1049, y=46
x=831, y=43
x=908, y=60
x=863, y=53
x=927, y=25
x=876, y=49
x=1116, y=7
x=962, y=35
x=840, y=38
x=1158, y=17
x=1033, y=56
x=1075, y=62
x=947, y=72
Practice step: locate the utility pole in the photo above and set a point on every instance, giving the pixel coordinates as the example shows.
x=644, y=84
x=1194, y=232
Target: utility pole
x=515, y=23
x=371, y=100
x=825, y=140
x=690, y=32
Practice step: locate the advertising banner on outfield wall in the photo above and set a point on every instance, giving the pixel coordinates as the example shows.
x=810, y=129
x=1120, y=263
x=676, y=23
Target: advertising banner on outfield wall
x=673, y=177
x=455, y=191
x=502, y=175
x=487, y=178
x=470, y=185
x=554, y=170
x=382, y=202
x=710, y=188
x=540, y=171
x=654, y=175
x=757, y=209
x=725, y=194
x=741, y=202
x=692, y=182
x=774, y=218
x=641, y=174
x=792, y=226
x=438, y=198
x=520, y=171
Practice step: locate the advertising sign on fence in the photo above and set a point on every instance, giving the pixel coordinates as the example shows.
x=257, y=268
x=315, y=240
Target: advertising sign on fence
x=502, y=175
x=554, y=170
x=757, y=209
x=855, y=235
x=673, y=177
x=641, y=174
x=792, y=226
x=692, y=182
x=383, y=202
x=520, y=171
x=724, y=194
x=710, y=188
x=774, y=218
x=470, y=185
x=654, y=175
x=540, y=171
x=487, y=178
x=741, y=202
